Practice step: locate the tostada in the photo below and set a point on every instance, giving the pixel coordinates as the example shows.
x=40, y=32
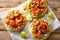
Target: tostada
x=15, y=20
x=36, y=8
x=40, y=29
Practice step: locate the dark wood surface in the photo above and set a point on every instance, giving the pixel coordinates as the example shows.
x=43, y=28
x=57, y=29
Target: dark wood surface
x=55, y=6
x=4, y=35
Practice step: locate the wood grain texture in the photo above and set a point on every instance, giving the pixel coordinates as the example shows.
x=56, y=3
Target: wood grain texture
x=55, y=35
x=9, y=3
x=4, y=35
x=53, y=0
x=55, y=6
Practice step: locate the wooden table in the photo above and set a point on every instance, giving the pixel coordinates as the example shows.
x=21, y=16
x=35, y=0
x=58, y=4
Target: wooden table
x=55, y=6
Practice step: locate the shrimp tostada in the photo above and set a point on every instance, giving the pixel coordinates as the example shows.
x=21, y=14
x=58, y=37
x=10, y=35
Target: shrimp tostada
x=40, y=29
x=36, y=8
x=15, y=20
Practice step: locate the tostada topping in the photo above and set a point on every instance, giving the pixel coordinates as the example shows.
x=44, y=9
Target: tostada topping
x=14, y=19
x=40, y=27
x=37, y=6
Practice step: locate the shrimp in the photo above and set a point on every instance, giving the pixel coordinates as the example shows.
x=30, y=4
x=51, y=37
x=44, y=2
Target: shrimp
x=11, y=16
x=46, y=26
x=37, y=35
x=34, y=30
x=12, y=23
x=18, y=24
x=17, y=20
x=16, y=14
x=41, y=22
x=43, y=25
x=20, y=19
x=39, y=27
x=35, y=23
